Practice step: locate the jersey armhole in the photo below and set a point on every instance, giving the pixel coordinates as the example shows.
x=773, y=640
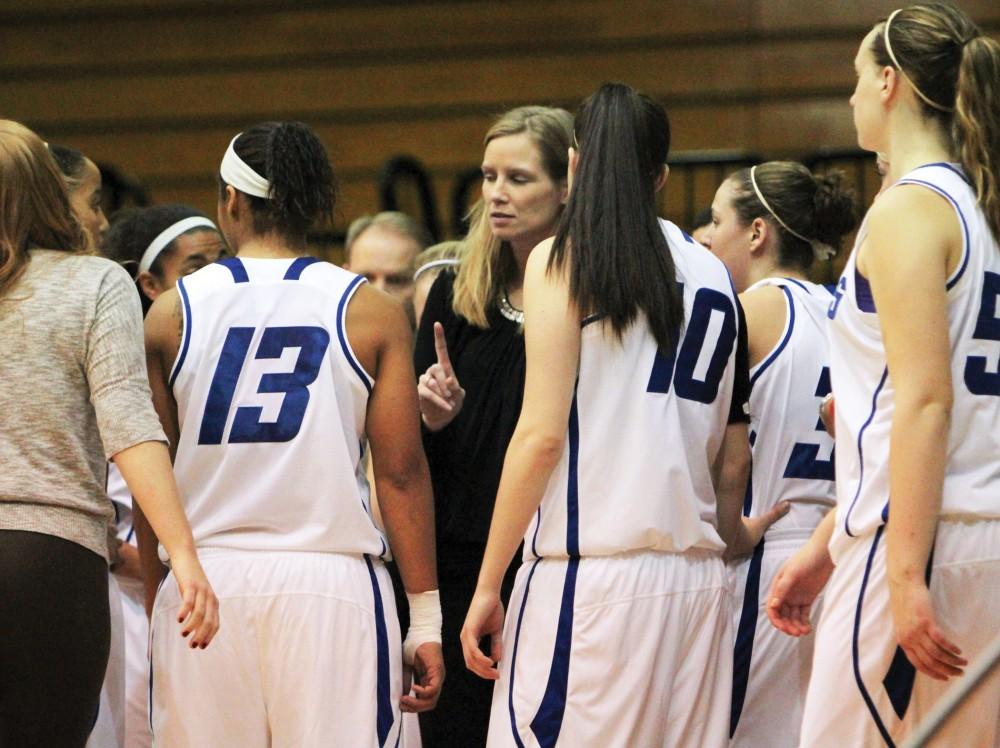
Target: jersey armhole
x=366, y=379
x=963, y=262
x=759, y=369
x=185, y=333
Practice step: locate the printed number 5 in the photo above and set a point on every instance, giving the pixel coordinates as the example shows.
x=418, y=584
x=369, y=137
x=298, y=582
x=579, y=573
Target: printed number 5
x=977, y=379
x=312, y=343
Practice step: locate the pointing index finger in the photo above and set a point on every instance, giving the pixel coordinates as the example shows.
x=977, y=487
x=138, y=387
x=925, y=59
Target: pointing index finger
x=441, y=347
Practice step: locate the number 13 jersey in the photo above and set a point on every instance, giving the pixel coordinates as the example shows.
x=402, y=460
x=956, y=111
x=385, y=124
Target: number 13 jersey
x=271, y=403
x=645, y=428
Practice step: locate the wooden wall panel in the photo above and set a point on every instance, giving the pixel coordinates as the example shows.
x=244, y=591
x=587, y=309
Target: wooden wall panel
x=157, y=87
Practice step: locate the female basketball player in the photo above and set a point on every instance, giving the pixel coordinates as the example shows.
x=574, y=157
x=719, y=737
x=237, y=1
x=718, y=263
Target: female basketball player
x=272, y=371
x=769, y=225
x=74, y=394
x=470, y=348
x=621, y=619
x=83, y=179
x=915, y=340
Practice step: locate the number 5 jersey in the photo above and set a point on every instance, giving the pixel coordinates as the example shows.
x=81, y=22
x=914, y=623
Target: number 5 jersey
x=862, y=382
x=271, y=402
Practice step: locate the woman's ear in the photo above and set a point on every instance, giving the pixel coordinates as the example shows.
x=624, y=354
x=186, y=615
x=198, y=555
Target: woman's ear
x=572, y=160
x=759, y=233
x=150, y=285
x=662, y=178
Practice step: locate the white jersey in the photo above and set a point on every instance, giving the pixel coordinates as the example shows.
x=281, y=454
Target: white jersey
x=864, y=390
x=271, y=401
x=644, y=428
x=792, y=452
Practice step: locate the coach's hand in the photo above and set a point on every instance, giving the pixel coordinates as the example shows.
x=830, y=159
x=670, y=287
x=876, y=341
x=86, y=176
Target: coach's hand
x=485, y=618
x=926, y=646
x=428, y=677
x=441, y=396
x=796, y=587
x=199, y=613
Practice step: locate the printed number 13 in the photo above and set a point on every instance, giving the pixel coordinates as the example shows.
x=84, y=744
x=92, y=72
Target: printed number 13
x=312, y=343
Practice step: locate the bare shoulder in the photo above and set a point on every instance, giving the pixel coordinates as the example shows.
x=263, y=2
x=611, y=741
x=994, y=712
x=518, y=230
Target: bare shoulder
x=374, y=320
x=911, y=223
x=165, y=321
x=766, y=310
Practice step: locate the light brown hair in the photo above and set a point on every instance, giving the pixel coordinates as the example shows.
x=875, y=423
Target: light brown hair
x=951, y=63
x=34, y=206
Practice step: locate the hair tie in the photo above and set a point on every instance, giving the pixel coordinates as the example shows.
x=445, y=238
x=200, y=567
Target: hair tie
x=888, y=48
x=236, y=172
x=446, y=262
x=166, y=236
x=821, y=250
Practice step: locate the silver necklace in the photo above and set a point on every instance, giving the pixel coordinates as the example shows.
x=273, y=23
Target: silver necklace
x=508, y=311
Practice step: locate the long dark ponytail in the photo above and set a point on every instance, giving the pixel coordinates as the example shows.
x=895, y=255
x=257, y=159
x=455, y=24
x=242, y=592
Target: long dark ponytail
x=291, y=157
x=609, y=237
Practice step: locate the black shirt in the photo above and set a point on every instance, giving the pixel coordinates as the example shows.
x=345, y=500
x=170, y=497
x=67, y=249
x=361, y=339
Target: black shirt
x=466, y=456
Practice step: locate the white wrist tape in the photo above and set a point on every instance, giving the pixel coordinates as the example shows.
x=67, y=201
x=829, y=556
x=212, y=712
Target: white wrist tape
x=425, y=622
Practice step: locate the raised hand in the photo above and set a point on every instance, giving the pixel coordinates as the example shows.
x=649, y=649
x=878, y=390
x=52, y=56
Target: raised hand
x=441, y=396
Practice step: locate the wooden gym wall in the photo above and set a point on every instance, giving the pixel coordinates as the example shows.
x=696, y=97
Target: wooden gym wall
x=157, y=87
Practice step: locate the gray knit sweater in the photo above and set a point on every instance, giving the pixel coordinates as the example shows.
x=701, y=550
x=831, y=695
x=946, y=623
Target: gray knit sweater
x=73, y=392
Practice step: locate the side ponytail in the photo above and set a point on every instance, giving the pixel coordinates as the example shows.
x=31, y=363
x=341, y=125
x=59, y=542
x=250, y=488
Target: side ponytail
x=291, y=157
x=976, y=127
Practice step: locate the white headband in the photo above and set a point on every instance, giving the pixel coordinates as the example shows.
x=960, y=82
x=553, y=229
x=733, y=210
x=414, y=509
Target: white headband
x=449, y=263
x=236, y=172
x=821, y=250
x=166, y=236
x=888, y=48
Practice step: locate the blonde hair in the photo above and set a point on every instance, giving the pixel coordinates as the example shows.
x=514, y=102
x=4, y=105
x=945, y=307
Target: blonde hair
x=449, y=251
x=488, y=264
x=34, y=205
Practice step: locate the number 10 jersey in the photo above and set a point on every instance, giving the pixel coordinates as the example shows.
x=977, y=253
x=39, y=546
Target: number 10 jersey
x=271, y=403
x=646, y=426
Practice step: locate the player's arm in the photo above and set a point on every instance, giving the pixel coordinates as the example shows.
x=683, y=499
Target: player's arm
x=731, y=470
x=552, y=348
x=379, y=331
x=161, y=325
x=913, y=241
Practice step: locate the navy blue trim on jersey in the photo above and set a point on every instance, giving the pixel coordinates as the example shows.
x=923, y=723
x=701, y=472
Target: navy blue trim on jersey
x=185, y=333
x=572, y=484
x=590, y=319
x=342, y=332
x=854, y=643
x=152, y=632
x=861, y=451
x=950, y=167
x=799, y=283
x=748, y=494
x=547, y=722
x=745, y=633
x=966, y=246
x=688, y=236
x=784, y=341
x=513, y=656
x=130, y=534
x=863, y=292
x=299, y=264
x=898, y=682
x=534, y=538
x=235, y=266
x=384, y=719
